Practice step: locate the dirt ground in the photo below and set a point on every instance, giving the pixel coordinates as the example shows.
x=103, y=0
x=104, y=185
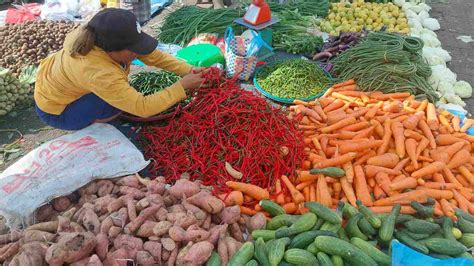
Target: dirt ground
x=456, y=18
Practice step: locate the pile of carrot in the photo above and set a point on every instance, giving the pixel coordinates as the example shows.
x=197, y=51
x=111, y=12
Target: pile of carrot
x=392, y=147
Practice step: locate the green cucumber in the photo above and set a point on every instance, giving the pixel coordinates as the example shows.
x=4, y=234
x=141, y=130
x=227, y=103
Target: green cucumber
x=276, y=252
x=252, y=263
x=324, y=259
x=420, y=226
x=448, y=229
x=388, y=224
x=260, y=253
x=282, y=232
x=327, y=226
x=366, y=228
x=402, y=218
x=303, y=224
x=465, y=226
x=323, y=212
x=440, y=256
x=272, y=208
x=214, y=260
x=269, y=244
x=348, y=210
x=284, y=263
x=300, y=257
x=312, y=248
x=263, y=233
x=466, y=255
x=243, y=255
x=334, y=246
x=343, y=235
x=467, y=240
x=352, y=227
x=375, y=253
x=415, y=235
x=337, y=260
x=445, y=246
x=374, y=221
x=328, y=171
x=456, y=233
x=465, y=215
x=302, y=240
x=318, y=224
x=281, y=220
x=422, y=211
x=407, y=240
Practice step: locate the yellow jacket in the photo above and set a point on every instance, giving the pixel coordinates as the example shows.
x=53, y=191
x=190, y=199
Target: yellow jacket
x=62, y=79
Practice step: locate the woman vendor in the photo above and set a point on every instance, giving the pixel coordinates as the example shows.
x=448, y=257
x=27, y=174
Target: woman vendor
x=87, y=81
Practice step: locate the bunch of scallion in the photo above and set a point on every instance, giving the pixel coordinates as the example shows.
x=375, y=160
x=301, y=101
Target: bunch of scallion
x=386, y=62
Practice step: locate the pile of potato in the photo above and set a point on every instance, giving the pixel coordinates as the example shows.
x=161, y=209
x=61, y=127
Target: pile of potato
x=134, y=220
x=12, y=91
x=28, y=43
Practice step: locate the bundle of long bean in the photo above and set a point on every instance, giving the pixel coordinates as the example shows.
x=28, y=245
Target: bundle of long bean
x=388, y=63
x=294, y=79
x=149, y=82
x=319, y=8
x=183, y=24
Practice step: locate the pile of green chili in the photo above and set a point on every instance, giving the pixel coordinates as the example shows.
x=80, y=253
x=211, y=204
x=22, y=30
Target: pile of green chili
x=293, y=79
x=149, y=82
x=386, y=62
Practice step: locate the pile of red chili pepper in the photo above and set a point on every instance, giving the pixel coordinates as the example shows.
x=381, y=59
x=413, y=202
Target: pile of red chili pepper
x=225, y=124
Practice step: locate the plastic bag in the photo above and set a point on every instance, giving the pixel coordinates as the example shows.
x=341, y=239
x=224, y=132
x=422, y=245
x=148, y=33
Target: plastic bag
x=63, y=165
x=57, y=10
x=23, y=13
x=431, y=23
x=88, y=8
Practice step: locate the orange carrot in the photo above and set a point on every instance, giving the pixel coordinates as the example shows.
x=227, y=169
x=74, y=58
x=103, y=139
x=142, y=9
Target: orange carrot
x=427, y=132
x=467, y=174
x=387, y=127
x=462, y=201
x=305, y=176
x=388, y=160
x=431, y=117
x=456, y=123
x=436, y=193
x=372, y=170
x=361, y=146
x=312, y=193
x=318, y=109
x=343, y=97
x=356, y=126
x=290, y=207
x=364, y=157
x=437, y=177
x=346, y=88
x=450, y=177
x=302, y=185
x=257, y=207
x=232, y=198
x=295, y=194
x=410, y=146
x=349, y=170
x=338, y=125
x=387, y=96
x=337, y=190
x=340, y=160
x=364, y=133
x=448, y=210
x=441, y=185
x=430, y=169
x=378, y=128
x=253, y=191
x=306, y=193
x=403, y=198
x=425, y=159
x=399, y=137
x=424, y=142
x=461, y=179
x=388, y=209
x=323, y=191
x=444, y=121
x=401, y=164
x=460, y=158
x=348, y=191
x=422, y=105
x=360, y=184
x=437, y=209
x=412, y=134
x=246, y=210
x=379, y=193
x=406, y=183
x=448, y=139
x=301, y=109
x=373, y=111
x=343, y=84
x=393, y=107
x=412, y=122
x=333, y=106
x=279, y=192
x=467, y=124
x=383, y=182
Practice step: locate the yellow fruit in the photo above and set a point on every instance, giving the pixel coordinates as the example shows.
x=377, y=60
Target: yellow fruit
x=378, y=20
x=369, y=21
x=333, y=33
x=331, y=16
x=405, y=30
x=395, y=13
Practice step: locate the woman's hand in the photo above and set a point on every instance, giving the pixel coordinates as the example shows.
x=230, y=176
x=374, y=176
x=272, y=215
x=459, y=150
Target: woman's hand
x=192, y=81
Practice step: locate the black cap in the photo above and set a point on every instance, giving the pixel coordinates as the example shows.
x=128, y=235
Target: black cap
x=120, y=29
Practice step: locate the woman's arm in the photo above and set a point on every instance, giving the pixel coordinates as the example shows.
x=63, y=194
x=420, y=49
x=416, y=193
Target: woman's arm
x=167, y=62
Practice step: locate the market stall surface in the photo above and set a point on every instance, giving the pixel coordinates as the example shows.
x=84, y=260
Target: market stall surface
x=455, y=19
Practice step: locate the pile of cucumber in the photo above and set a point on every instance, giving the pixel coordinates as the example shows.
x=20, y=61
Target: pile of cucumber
x=320, y=237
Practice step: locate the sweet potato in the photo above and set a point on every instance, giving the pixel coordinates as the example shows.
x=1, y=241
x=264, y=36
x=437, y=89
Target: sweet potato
x=177, y=233
x=101, y=204
x=142, y=217
x=236, y=232
x=36, y=235
x=9, y=250
x=128, y=242
x=121, y=217
x=161, y=228
x=196, y=235
x=89, y=189
x=175, y=216
x=50, y=227
x=91, y=221
x=71, y=247
x=94, y=261
x=217, y=231
x=154, y=248
x=106, y=225
x=176, y=208
x=258, y=221
x=116, y=204
x=119, y=257
x=129, y=181
x=169, y=200
x=131, y=191
x=45, y=213
x=102, y=247
x=156, y=187
x=79, y=215
x=165, y=255
x=142, y=204
x=230, y=214
x=199, y=253
x=10, y=237
x=161, y=214
x=114, y=231
x=132, y=212
x=82, y=262
x=207, y=202
x=30, y=254
x=182, y=253
x=222, y=250
x=61, y=204
x=187, y=221
x=86, y=199
x=196, y=211
x=172, y=258
x=184, y=186
x=232, y=246
x=168, y=243
x=146, y=229
x=207, y=222
x=144, y=258
x=105, y=187
x=69, y=213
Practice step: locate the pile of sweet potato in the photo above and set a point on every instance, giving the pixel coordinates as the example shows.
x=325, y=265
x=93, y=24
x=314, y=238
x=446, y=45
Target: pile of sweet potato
x=130, y=220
